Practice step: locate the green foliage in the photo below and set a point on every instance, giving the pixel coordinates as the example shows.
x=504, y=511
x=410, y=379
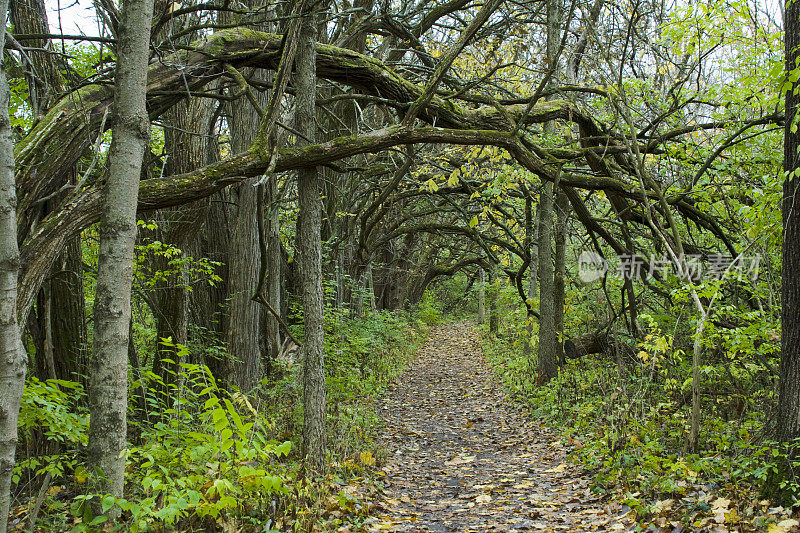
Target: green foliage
x=19, y=110
x=181, y=270
x=628, y=419
x=206, y=456
x=363, y=355
x=209, y=454
x=429, y=310
x=49, y=412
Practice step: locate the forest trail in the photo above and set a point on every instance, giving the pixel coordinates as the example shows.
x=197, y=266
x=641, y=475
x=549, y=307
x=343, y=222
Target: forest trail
x=463, y=458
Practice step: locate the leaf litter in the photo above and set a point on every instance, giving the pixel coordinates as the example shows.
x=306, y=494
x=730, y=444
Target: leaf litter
x=461, y=457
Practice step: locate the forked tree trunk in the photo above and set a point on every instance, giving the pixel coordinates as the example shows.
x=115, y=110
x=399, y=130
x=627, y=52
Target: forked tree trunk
x=310, y=251
x=12, y=355
x=108, y=386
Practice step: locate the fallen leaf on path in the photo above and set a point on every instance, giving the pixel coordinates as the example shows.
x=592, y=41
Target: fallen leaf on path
x=460, y=460
x=784, y=526
x=483, y=498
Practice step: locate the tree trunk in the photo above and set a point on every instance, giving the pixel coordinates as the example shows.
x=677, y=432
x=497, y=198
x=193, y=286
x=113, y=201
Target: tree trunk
x=42, y=77
x=560, y=267
x=494, y=318
x=548, y=339
x=548, y=359
x=208, y=303
x=68, y=314
x=274, y=263
x=187, y=146
x=108, y=385
x=788, y=410
x=531, y=245
x=64, y=320
x=310, y=252
x=481, y=295
x=244, y=352
x=12, y=355
x=244, y=363
x=371, y=289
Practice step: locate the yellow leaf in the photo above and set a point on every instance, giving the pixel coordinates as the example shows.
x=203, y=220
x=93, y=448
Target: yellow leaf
x=473, y=222
x=558, y=469
x=367, y=458
x=81, y=474
x=453, y=179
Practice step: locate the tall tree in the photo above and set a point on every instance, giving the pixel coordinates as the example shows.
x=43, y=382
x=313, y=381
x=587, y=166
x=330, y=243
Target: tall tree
x=12, y=355
x=481, y=295
x=108, y=386
x=559, y=269
x=788, y=411
x=531, y=245
x=548, y=336
x=187, y=146
x=59, y=320
x=310, y=252
x=548, y=362
x=244, y=327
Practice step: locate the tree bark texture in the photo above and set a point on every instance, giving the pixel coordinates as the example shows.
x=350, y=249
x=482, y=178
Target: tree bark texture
x=481, y=295
x=65, y=317
x=548, y=361
x=788, y=410
x=108, y=385
x=272, y=330
x=548, y=336
x=310, y=252
x=559, y=269
x=12, y=355
x=244, y=363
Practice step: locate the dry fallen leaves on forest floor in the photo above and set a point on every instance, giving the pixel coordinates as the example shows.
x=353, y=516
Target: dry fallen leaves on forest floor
x=463, y=458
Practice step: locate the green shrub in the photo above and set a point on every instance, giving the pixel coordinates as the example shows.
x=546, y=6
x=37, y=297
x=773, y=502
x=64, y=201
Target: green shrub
x=49, y=410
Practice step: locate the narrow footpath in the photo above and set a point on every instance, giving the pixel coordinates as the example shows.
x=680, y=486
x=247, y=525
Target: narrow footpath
x=463, y=458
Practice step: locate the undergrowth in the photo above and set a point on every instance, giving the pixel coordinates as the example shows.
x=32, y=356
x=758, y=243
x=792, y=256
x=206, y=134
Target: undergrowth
x=626, y=413
x=203, y=458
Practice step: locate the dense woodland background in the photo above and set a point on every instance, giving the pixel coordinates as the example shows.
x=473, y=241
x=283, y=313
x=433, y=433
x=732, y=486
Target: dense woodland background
x=222, y=266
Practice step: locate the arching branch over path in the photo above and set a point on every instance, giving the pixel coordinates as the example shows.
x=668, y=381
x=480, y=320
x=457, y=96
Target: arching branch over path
x=61, y=138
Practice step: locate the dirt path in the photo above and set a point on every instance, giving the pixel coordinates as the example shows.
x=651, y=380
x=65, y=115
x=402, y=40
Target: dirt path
x=462, y=458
